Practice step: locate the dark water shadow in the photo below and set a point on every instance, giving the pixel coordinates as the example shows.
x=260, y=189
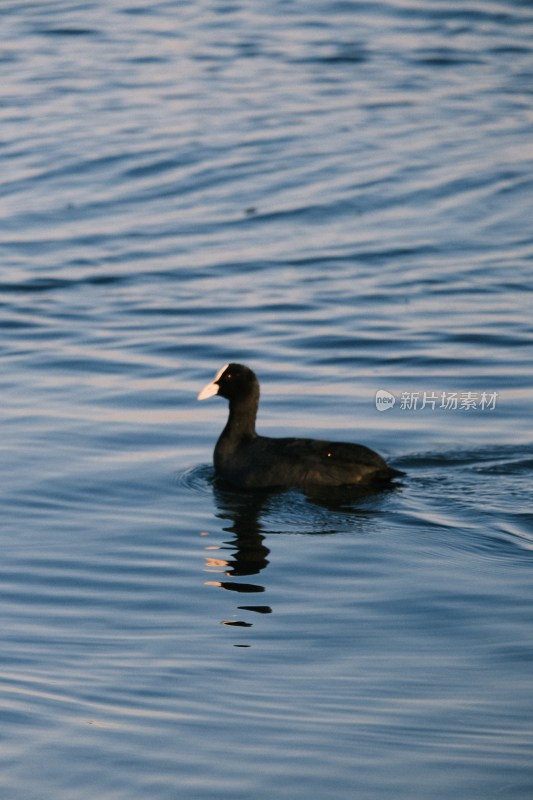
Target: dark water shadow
x=251, y=517
x=241, y=516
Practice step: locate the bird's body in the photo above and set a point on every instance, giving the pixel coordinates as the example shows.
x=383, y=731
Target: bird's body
x=250, y=461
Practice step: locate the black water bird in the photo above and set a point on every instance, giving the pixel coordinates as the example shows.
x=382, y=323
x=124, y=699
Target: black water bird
x=249, y=461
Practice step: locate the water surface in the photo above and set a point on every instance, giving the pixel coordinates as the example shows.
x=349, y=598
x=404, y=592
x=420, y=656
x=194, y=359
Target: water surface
x=338, y=194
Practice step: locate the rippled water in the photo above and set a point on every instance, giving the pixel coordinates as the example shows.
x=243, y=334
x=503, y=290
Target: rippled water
x=338, y=194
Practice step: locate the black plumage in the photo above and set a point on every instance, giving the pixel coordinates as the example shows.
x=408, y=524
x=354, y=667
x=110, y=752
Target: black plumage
x=250, y=461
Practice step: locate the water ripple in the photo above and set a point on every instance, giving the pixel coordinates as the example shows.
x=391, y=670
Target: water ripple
x=339, y=194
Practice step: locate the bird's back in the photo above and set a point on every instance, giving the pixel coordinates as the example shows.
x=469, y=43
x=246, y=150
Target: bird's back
x=263, y=462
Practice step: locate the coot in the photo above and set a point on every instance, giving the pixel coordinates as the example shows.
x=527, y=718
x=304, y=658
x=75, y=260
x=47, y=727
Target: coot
x=249, y=461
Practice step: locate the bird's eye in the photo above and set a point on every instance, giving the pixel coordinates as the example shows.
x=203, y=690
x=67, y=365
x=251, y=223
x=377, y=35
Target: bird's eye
x=229, y=376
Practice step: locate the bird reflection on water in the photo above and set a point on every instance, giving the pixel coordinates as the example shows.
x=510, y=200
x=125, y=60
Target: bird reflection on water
x=249, y=553
x=322, y=512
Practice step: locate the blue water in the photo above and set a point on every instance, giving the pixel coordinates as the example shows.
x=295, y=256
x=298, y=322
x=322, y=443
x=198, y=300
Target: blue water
x=339, y=195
